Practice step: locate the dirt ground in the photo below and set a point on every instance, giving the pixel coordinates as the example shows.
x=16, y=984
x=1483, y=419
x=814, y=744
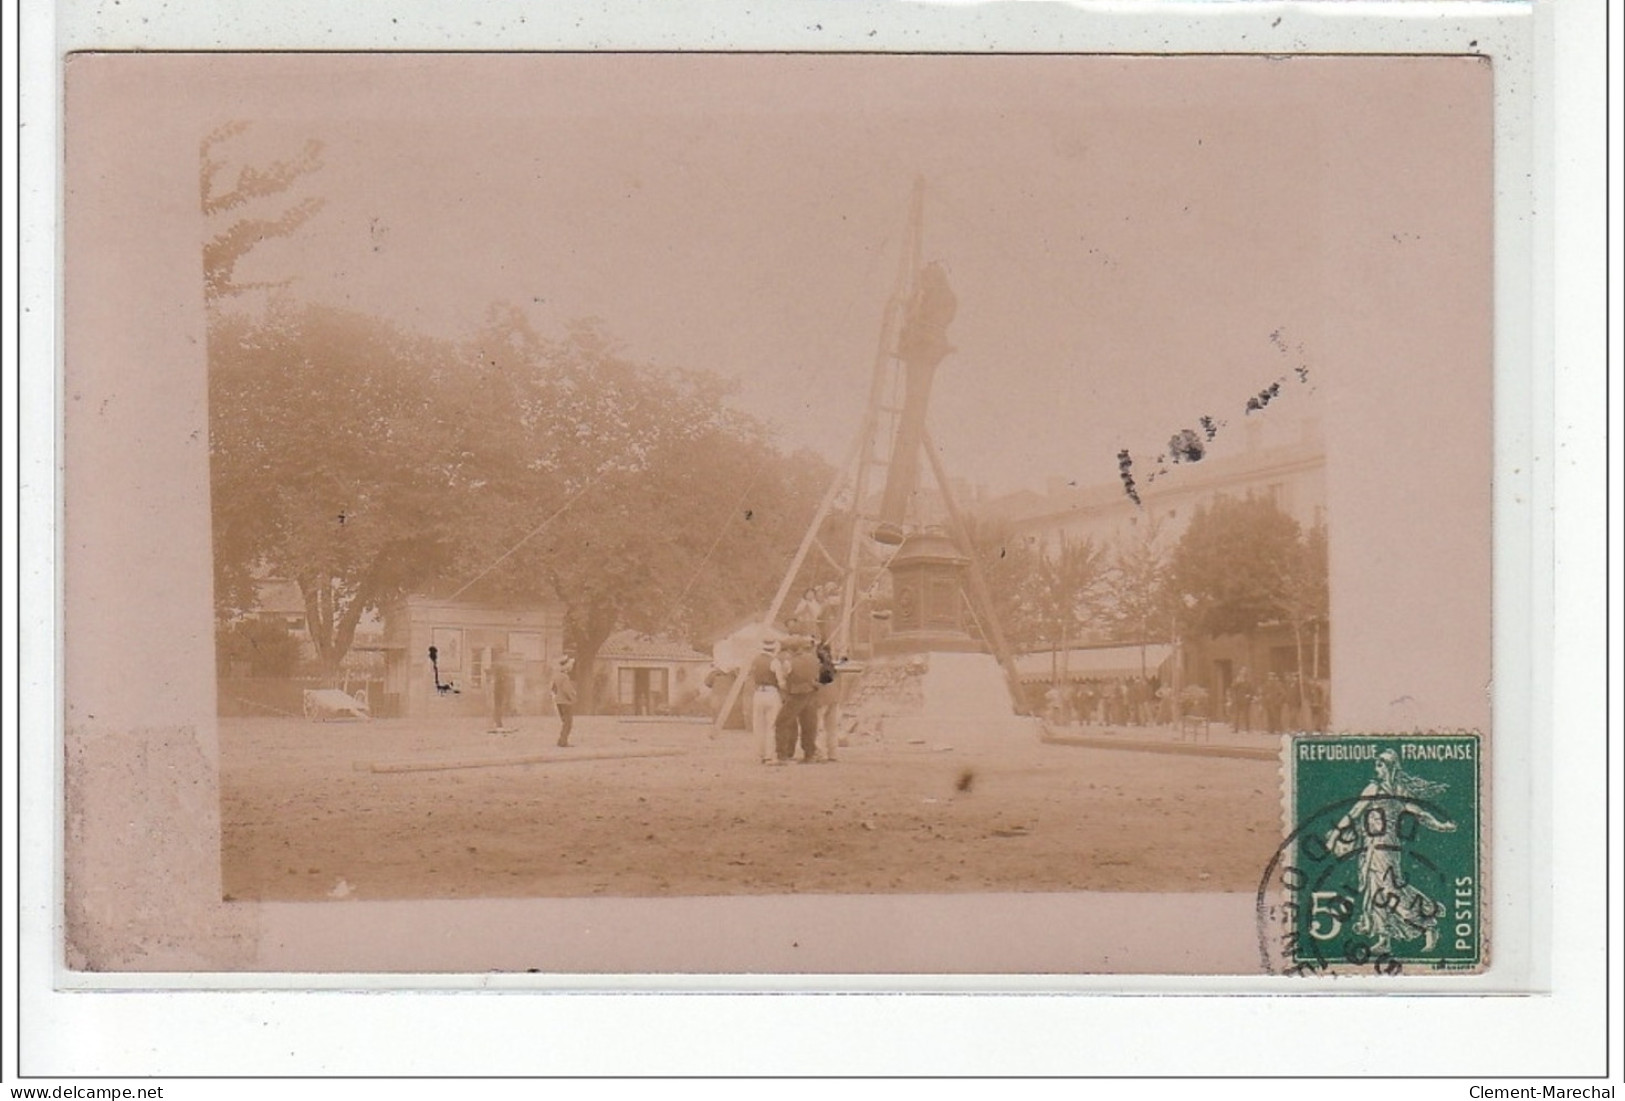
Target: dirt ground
x=334, y=810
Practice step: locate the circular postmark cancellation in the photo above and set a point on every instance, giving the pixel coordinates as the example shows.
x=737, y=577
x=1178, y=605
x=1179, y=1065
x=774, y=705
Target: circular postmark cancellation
x=1380, y=872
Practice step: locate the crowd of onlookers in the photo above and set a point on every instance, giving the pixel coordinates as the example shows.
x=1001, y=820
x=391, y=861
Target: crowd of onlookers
x=1273, y=704
x=1109, y=701
x=1277, y=703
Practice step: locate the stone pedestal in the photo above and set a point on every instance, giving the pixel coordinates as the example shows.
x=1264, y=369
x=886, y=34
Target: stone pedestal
x=930, y=683
x=949, y=699
x=928, y=602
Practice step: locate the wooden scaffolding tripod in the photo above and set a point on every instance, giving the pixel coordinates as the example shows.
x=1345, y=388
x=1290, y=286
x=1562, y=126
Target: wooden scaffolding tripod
x=864, y=471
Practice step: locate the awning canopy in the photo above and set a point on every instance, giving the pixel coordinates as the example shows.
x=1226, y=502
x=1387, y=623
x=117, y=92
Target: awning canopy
x=1095, y=662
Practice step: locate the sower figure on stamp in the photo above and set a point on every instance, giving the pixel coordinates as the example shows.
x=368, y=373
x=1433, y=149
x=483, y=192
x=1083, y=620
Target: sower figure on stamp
x=1391, y=906
x=564, y=698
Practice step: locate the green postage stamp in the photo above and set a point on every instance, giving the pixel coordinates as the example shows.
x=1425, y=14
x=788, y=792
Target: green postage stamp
x=1381, y=869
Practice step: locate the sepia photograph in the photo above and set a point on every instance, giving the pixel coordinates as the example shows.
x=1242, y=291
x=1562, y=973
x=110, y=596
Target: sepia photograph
x=826, y=509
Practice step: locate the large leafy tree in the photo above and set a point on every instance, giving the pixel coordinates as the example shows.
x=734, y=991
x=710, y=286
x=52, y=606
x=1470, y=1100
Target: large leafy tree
x=1064, y=594
x=1138, y=604
x=367, y=463
x=1243, y=564
x=1043, y=600
x=636, y=495
x=339, y=458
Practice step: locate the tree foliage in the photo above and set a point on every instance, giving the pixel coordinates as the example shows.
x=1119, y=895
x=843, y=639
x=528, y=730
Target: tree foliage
x=1306, y=598
x=337, y=459
x=1042, y=600
x=230, y=241
x=665, y=509
x=1139, y=604
x=1243, y=564
x=367, y=463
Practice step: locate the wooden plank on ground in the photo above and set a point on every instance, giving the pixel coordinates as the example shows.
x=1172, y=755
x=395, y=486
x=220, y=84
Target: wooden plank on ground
x=1189, y=749
x=555, y=758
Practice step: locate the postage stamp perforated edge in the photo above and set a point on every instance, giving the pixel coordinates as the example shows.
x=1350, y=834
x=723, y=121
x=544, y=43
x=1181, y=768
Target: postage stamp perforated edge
x=1287, y=894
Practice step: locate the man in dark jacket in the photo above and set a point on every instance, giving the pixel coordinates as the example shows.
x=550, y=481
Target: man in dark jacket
x=798, y=715
x=1274, y=697
x=1241, y=702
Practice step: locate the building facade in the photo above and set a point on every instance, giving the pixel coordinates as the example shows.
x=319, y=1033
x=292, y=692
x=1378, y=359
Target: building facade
x=468, y=640
x=1284, y=462
x=643, y=675
x=1288, y=467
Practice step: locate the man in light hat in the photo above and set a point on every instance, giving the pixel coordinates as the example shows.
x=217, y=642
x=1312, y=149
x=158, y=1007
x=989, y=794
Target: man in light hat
x=765, y=700
x=564, y=698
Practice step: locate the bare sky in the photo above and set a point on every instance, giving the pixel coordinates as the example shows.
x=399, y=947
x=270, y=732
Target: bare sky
x=1134, y=242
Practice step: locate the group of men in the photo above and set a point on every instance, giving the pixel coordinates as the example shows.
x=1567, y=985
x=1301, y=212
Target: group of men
x=561, y=688
x=1276, y=703
x=1116, y=701
x=1283, y=702
x=792, y=693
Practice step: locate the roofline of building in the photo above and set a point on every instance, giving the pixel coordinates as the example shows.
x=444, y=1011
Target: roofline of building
x=419, y=601
x=1293, y=459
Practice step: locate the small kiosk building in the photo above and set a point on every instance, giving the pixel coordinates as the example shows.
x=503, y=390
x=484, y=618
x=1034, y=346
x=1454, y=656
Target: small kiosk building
x=468, y=639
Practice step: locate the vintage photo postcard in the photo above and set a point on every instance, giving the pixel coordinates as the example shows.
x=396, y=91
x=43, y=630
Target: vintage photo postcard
x=782, y=514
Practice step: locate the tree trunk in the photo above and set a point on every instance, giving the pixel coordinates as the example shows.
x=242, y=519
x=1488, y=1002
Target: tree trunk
x=1297, y=639
x=318, y=619
x=589, y=639
x=344, y=630
x=331, y=630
